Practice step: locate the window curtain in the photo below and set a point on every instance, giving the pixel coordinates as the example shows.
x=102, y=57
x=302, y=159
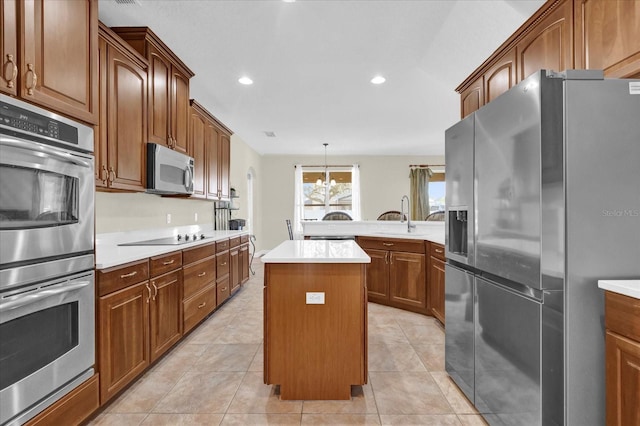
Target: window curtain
x=298, y=203
x=355, y=192
x=419, y=179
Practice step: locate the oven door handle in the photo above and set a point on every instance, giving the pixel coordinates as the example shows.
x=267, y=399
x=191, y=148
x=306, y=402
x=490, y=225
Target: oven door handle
x=52, y=152
x=28, y=299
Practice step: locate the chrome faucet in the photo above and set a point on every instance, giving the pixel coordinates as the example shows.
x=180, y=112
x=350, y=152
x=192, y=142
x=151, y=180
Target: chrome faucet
x=409, y=225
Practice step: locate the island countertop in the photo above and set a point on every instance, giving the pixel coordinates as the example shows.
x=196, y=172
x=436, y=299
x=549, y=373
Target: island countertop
x=317, y=251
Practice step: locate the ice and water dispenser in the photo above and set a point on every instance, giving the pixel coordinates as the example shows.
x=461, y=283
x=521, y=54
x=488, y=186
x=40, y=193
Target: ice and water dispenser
x=458, y=232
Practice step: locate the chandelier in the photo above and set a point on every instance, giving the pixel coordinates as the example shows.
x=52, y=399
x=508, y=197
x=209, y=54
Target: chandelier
x=321, y=182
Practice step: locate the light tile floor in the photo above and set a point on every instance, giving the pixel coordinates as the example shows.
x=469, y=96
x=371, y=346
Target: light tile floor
x=214, y=377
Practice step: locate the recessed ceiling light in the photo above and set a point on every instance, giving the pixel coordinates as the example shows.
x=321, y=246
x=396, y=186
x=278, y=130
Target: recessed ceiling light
x=289, y=1
x=245, y=80
x=378, y=79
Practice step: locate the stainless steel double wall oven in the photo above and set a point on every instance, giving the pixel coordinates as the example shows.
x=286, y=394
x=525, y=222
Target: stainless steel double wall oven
x=47, y=286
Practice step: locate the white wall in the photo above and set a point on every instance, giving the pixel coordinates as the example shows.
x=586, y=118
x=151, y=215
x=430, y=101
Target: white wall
x=383, y=181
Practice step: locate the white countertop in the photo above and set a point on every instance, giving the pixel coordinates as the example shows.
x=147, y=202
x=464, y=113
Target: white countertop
x=317, y=251
x=109, y=253
x=430, y=231
x=629, y=288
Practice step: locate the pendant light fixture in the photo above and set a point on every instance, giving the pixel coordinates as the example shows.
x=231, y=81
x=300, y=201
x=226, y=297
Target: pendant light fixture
x=320, y=182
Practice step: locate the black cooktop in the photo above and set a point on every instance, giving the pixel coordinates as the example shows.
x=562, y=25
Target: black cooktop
x=168, y=241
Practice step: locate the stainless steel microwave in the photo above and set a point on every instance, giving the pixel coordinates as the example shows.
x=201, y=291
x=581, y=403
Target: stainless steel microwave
x=168, y=171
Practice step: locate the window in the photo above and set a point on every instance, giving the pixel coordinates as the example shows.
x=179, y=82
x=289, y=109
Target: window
x=437, y=191
x=326, y=191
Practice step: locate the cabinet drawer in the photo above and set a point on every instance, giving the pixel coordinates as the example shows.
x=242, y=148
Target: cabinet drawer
x=119, y=277
x=235, y=241
x=436, y=250
x=622, y=314
x=199, y=306
x=222, y=264
x=159, y=265
x=198, y=253
x=244, y=239
x=222, y=245
x=222, y=290
x=392, y=244
x=198, y=275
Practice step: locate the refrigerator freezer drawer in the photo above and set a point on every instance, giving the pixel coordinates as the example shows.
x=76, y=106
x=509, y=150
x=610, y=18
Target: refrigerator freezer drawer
x=507, y=356
x=459, y=352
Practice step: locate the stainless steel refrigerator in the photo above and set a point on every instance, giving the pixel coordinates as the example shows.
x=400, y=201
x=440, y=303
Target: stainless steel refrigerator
x=543, y=199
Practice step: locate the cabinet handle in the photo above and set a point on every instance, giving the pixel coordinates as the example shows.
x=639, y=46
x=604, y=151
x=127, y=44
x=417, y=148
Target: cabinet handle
x=223, y=289
x=170, y=141
x=386, y=257
x=202, y=274
x=34, y=80
x=130, y=274
x=14, y=73
x=112, y=174
x=222, y=264
x=155, y=290
x=202, y=305
x=149, y=290
x=104, y=173
x=387, y=244
x=439, y=250
x=169, y=262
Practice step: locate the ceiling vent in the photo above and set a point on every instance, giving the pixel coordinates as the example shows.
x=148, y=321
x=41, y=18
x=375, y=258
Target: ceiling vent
x=270, y=134
x=128, y=2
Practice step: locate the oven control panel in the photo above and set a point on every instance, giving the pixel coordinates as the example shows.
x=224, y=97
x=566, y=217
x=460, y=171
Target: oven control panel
x=25, y=121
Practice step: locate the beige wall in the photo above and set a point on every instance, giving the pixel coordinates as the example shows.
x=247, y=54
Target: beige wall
x=383, y=181
x=125, y=212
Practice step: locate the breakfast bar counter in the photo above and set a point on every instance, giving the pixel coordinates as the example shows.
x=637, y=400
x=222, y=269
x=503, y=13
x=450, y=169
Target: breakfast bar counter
x=315, y=319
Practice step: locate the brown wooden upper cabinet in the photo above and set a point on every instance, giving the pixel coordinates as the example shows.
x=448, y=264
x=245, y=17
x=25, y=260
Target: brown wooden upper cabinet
x=562, y=34
x=209, y=144
x=120, y=148
x=168, y=89
x=48, y=50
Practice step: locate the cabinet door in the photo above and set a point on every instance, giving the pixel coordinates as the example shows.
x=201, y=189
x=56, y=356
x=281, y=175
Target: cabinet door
x=165, y=318
x=101, y=173
x=244, y=263
x=549, y=46
x=500, y=77
x=234, y=278
x=224, y=161
x=198, y=152
x=407, y=284
x=159, y=83
x=9, y=47
x=212, y=138
x=472, y=98
x=378, y=275
x=608, y=36
x=123, y=337
x=179, y=111
x=126, y=122
x=222, y=286
x=58, y=65
x=623, y=380
x=436, y=288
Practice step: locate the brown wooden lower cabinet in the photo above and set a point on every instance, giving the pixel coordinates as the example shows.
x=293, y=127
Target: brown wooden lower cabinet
x=244, y=263
x=315, y=351
x=73, y=408
x=436, y=280
x=396, y=275
x=622, y=317
x=165, y=314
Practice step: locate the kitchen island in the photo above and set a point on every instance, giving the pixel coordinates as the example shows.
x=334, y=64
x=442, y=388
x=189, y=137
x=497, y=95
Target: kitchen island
x=315, y=319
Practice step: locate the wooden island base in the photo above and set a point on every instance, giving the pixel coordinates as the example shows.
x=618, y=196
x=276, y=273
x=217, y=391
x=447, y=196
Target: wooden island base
x=315, y=351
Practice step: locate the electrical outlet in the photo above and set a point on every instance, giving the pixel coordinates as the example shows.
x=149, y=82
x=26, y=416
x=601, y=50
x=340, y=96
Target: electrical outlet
x=195, y=217
x=315, y=298
x=168, y=218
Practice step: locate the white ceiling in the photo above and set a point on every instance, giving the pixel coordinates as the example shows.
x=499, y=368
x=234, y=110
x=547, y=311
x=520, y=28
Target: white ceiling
x=312, y=61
